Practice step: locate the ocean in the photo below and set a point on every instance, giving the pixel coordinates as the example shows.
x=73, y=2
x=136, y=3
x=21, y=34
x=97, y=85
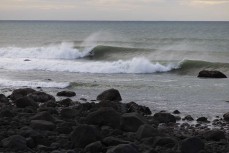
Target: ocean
x=152, y=63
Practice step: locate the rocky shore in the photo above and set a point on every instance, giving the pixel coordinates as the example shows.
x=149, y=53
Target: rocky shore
x=34, y=121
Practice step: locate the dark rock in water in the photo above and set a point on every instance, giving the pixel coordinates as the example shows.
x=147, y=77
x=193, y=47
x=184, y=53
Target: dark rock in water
x=202, y=119
x=146, y=131
x=226, y=116
x=15, y=142
x=95, y=147
x=66, y=102
x=43, y=116
x=165, y=118
x=133, y=107
x=19, y=93
x=188, y=118
x=84, y=135
x=211, y=74
x=3, y=99
x=214, y=135
x=68, y=113
x=123, y=148
x=26, y=60
x=41, y=97
x=166, y=142
x=104, y=116
x=111, y=95
x=130, y=122
x=42, y=125
x=176, y=112
x=25, y=102
x=113, y=141
x=66, y=93
x=192, y=145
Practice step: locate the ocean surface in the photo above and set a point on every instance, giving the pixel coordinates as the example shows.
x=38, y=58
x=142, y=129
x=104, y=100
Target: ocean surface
x=152, y=63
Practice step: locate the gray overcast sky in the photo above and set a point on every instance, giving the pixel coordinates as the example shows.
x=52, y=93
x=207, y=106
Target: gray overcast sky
x=114, y=10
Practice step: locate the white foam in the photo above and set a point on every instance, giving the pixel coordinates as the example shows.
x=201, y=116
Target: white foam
x=135, y=65
x=13, y=83
x=64, y=50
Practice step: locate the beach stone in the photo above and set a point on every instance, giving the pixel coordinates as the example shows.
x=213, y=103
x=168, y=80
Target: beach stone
x=3, y=99
x=41, y=97
x=165, y=117
x=123, y=148
x=202, y=119
x=188, y=118
x=68, y=113
x=110, y=94
x=84, y=135
x=15, y=142
x=25, y=102
x=66, y=93
x=7, y=112
x=226, y=116
x=214, y=135
x=117, y=106
x=104, y=116
x=43, y=116
x=133, y=107
x=176, y=112
x=113, y=141
x=211, y=74
x=192, y=145
x=66, y=102
x=64, y=127
x=19, y=93
x=95, y=147
x=130, y=122
x=166, y=142
x=42, y=125
x=27, y=131
x=145, y=131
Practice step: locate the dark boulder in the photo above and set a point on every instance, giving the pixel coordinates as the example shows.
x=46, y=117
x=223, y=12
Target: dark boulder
x=119, y=107
x=192, y=145
x=176, y=112
x=165, y=117
x=123, y=148
x=43, y=116
x=202, y=119
x=95, y=147
x=68, y=113
x=104, y=116
x=211, y=74
x=214, y=135
x=133, y=107
x=113, y=141
x=188, y=118
x=66, y=93
x=41, y=97
x=166, y=142
x=15, y=142
x=84, y=135
x=65, y=102
x=111, y=95
x=146, y=131
x=130, y=122
x=25, y=102
x=7, y=112
x=226, y=116
x=19, y=93
x=42, y=125
x=3, y=99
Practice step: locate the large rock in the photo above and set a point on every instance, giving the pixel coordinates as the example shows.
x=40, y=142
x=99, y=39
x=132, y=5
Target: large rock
x=111, y=95
x=211, y=74
x=3, y=99
x=104, y=116
x=192, y=145
x=226, y=116
x=66, y=93
x=43, y=116
x=214, y=135
x=123, y=148
x=68, y=113
x=25, y=102
x=130, y=122
x=165, y=117
x=146, y=131
x=41, y=97
x=84, y=135
x=113, y=141
x=133, y=107
x=95, y=147
x=19, y=93
x=166, y=142
x=42, y=125
x=15, y=142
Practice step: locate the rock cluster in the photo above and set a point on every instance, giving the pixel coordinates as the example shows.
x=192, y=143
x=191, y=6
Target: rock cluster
x=33, y=121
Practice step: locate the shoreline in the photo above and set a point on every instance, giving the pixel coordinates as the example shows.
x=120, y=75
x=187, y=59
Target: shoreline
x=34, y=121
